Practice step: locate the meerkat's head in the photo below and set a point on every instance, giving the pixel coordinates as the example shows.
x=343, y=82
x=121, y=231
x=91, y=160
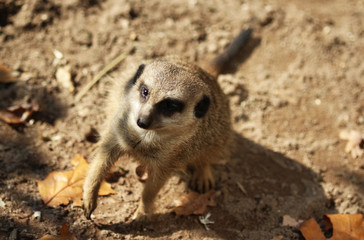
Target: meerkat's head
x=167, y=96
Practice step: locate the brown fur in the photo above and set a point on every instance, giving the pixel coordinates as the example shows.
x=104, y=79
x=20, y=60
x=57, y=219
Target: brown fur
x=171, y=142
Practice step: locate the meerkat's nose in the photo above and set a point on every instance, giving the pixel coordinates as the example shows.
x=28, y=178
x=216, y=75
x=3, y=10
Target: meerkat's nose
x=144, y=123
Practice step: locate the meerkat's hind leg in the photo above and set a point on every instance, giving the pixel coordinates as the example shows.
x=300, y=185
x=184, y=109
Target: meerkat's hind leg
x=155, y=181
x=202, y=178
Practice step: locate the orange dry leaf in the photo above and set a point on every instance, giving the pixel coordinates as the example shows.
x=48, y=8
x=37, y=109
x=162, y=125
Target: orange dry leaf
x=311, y=230
x=194, y=203
x=58, y=188
x=345, y=226
x=5, y=75
x=18, y=114
x=64, y=235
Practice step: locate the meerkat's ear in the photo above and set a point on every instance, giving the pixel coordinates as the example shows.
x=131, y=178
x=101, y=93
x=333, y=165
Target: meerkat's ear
x=202, y=107
x=133, y=80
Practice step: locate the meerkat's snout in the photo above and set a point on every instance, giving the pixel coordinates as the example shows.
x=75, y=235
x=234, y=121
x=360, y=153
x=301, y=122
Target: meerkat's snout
x=144, y=121
x=145, y=117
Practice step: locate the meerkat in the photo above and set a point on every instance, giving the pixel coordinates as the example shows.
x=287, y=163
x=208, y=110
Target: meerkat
x=170, y=116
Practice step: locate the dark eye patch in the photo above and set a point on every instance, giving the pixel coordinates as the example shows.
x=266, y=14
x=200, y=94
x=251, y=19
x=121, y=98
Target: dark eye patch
x=168, y=106
x=202, y=107
x=137, y=75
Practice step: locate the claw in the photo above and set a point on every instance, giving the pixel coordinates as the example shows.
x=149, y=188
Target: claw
x=88, y=206
x=87, y=213
x=202, y=180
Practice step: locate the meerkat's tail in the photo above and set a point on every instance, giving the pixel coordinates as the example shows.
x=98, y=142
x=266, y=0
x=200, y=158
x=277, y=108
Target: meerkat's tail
x=220, y=62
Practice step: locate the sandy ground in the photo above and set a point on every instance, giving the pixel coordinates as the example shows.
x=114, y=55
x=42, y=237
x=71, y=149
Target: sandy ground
x=297, y=84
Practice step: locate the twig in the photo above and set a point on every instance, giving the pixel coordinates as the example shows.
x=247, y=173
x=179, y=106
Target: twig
x=241, y=187
x=98, y=76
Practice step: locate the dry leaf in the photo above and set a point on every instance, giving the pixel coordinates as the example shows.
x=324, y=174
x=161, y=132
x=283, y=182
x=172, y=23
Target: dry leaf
x=355, y=143
x=290, y=221
x=64, y=235
x=311, y=230
x=5, y=75
x=194, y=203
x=345, y=226
x=18, y=114
x=58, y=188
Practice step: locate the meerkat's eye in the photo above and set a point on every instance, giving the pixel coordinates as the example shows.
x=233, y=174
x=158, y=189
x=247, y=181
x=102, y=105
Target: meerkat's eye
x=144, y=91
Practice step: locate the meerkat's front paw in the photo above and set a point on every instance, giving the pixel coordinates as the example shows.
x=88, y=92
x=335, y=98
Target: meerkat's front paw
x=202, y=180
x=89, y=205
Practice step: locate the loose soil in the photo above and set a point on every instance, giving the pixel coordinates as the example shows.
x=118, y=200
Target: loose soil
x=294, y=87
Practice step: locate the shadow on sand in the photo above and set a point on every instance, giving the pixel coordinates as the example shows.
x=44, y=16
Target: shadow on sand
x=258, y=187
